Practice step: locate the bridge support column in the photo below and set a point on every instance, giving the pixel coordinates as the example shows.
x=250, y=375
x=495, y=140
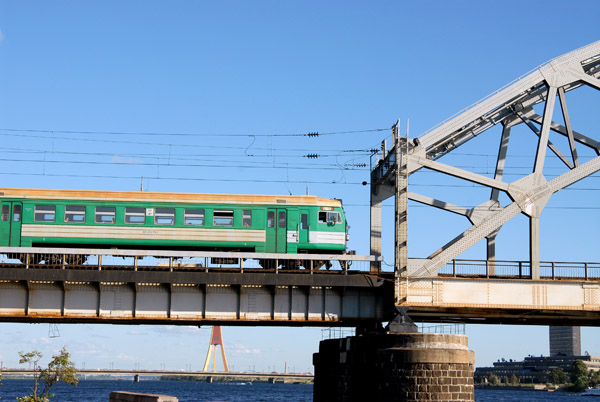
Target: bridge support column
x=394, y=367
x=375, y=233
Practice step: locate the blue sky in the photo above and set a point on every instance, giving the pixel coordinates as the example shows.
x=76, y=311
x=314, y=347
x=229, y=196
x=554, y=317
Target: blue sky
x=238, y=79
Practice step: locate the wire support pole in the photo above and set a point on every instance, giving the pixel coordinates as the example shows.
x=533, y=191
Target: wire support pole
x=401, y=211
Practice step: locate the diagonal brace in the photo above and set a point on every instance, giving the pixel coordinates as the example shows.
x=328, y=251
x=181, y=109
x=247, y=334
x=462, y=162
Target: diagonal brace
x=552, y=147
x=479, y=231
x=446, y=206
x=461, y=173
x=580, y=138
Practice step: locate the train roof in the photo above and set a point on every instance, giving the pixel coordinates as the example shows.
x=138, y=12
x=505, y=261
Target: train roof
x=141, y=196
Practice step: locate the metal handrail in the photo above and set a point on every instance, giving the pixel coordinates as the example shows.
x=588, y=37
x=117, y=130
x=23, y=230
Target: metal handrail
x=522, y=269
x=184, y=253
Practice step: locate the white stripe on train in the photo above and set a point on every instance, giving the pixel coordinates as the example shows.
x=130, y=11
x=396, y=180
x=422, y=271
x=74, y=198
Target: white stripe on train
x=161, y=233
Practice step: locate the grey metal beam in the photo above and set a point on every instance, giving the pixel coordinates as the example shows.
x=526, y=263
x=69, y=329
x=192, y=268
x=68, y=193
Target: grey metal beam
x=501, y=160
x=578, y=137
x=495, y=194
x=375, y=233
x=479, y=231
x=401, y=207
x=591, y=81
x=496, y=108
x=461, y=173
x=565, y=112
x=534, y=246
x=552, y=147
x=446, y=206
x=540, y=156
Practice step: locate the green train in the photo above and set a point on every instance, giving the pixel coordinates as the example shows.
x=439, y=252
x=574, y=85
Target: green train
x=175, y=221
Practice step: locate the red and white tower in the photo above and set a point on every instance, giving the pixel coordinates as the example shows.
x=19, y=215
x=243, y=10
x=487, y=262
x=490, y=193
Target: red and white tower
x=216, y=338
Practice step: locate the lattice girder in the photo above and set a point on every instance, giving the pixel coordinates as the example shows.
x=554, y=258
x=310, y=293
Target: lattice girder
x=511, y=106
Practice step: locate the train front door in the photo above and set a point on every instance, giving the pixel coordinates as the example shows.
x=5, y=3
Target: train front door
x=276, y=231
x=10, y=223
x=303, y=229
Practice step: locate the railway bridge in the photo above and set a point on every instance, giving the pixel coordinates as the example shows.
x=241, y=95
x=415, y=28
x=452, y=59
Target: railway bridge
x=150, y=286
x=226, y=288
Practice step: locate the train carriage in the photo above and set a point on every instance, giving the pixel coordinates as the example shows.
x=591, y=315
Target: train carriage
x=151, y=220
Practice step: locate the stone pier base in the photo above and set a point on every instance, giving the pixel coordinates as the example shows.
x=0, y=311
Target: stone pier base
x=394, y=367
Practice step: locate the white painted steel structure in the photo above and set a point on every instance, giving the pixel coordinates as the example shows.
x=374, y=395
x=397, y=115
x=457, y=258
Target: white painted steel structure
x=416, y=282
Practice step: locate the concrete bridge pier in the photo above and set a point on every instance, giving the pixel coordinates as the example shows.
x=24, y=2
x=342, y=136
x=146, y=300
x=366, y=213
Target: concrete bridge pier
x=394, y=367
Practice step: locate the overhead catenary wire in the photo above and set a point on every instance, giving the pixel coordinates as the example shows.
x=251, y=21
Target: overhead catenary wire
x=177, y=156
x=167, y=164
x=200, y=179
x=200, y=146
x=255, y=163
x=179, y=134
x=247, y=180
x=164, y=162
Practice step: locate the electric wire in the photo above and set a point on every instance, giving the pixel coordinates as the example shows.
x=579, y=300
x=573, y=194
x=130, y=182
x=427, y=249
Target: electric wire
x=129, y=163
x=178, y=134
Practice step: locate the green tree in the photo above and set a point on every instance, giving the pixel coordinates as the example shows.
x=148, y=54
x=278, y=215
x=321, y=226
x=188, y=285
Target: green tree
x=514, y=379
x=594, y=378
x=60, y=368
x=492, y=379
x=558, y=376
x=579, y=375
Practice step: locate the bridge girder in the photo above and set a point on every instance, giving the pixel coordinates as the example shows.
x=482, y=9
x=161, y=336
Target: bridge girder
x=510, y=106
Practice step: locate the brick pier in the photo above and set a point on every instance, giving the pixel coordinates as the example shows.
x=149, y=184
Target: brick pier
x=394, y=367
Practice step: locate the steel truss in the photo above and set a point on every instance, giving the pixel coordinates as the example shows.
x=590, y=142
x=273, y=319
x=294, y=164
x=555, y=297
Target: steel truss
x=509, y=106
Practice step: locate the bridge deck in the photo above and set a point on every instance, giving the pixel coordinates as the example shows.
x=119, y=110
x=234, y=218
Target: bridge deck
x=153, y=287
x=191, y=288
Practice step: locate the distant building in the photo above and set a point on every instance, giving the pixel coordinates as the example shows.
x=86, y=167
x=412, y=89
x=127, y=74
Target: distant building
x=565, y=341
x=534, y=369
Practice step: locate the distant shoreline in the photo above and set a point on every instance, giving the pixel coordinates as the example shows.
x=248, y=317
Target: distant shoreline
x=523, y=387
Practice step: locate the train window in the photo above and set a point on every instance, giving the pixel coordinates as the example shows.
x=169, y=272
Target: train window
x=17, y=213
x=304, y=221
x=164, y=216
x=323, y=217
x=5, y=211
x=330, y=217
x=135, y=215
x=105, y=215
x=334, y=217
x=44, y=213
x=193, y=217
x=223, y=218
x=282, y=220
x=271, y=219
x=247, y=218
x=74, y=214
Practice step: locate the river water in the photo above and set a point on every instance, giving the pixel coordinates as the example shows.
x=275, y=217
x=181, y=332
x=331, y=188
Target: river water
x=98, y=391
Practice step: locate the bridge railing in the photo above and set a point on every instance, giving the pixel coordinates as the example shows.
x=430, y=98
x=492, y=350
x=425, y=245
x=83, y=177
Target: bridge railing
x=453, y=328
x=177, y=260
x=521, y=269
